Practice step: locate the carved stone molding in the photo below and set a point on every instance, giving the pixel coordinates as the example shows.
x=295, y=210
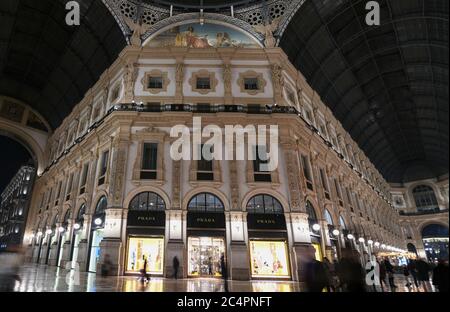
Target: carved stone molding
x=262, y=83
x=204, y=74
x=155, y=73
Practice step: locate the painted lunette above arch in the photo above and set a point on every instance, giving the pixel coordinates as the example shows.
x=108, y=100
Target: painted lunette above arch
x=245, y=17
x=215, y=31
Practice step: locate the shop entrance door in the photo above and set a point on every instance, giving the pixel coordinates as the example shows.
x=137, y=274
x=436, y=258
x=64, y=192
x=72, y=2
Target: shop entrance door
x=204, y=256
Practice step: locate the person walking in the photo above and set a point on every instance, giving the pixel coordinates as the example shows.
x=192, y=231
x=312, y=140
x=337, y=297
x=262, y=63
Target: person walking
x=176, y=266
x=224, y=272
x=407, y=274
x=144, y=276
x=351, y=273
x=413, y=271
x=106, y=265
x=330, y=275
x=440, y=276
x=423, y=271
x=390, y=273
x=382, y=275
x=316, y=276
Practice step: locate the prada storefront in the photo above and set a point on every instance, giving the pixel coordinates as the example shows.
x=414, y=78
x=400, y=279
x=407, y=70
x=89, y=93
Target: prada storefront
x=206, y=235
x=268, y=242
x=145, y=234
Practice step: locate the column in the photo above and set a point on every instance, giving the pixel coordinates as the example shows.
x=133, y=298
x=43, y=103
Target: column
x=83, y=246
x=175, y=243
x=111, y=244
x=238, y=257
x=325, y=240
x=175, y=225
x=54, y=246
x=303, y=252
x=45, y=246
x=67, y=244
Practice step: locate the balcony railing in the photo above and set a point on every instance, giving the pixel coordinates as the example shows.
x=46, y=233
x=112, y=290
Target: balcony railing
x=421, y=213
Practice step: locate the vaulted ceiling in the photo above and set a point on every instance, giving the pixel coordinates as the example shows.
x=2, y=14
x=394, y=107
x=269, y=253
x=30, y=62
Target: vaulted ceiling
x=388, y=85
x=48, y=64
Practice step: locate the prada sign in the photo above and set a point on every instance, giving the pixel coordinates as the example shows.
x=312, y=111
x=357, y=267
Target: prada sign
x=266, y=222
x=206, y=220
x=146, y=218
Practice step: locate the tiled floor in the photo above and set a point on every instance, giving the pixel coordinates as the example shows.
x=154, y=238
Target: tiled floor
x=40, y=278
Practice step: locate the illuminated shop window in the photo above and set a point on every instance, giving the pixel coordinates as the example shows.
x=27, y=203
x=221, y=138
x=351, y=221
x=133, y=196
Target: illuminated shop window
x=204, y=256
x=141, y=249
x=269, y=259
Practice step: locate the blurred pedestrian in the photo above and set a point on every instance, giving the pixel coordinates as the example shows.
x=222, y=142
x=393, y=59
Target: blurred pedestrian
x=382, y=275
x=224, y=272
x=316, y=276
x=390, y=273
x=351, y=273
x=106, y=265
x=330, y=274
x=11, y=260
x=176, y=266
x=423, y=274
x=440, y=276
x=407, y=274
x=144, y=276
x=413, y=271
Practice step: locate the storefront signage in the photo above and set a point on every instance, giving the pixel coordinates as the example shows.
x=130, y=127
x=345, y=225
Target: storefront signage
x=266, y=222
x=206, y=220
x=146, y=218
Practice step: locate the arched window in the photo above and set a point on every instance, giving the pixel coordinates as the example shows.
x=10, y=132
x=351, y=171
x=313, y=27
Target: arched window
x=81, y=212
x=55, y=220
x=66, y=216
x=205, y=202
x=328, y=217
x=312, y=217
x=101, y=205
x=147, y=201
x=342, y=223
x=264, y=204
x=425, y=198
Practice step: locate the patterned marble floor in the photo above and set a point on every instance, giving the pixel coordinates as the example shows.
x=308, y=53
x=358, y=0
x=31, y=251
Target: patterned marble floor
x=41, y=278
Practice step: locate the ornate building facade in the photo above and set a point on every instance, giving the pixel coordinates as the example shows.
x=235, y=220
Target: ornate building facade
x=14, y=205
x=423, y=209
x=112, y=188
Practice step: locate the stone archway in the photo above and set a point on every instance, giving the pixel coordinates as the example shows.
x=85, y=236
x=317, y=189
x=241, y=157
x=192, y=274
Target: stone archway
x=24, y=125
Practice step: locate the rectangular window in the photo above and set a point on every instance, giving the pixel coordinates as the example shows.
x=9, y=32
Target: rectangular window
x=84, y=178
x=260, y=166
x=149, y=161
x=323, y=178
x=291, y=96
x=49, y=198
x=307, y=172
x=251, y=84
x=69, y=186
x=103, y=167
x=155, y=83
x=338, y=192
x=58, y=193
x=203, y=83
x=205, y=166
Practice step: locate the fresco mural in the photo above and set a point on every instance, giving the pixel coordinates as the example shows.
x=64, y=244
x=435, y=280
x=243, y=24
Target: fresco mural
x=203, y=36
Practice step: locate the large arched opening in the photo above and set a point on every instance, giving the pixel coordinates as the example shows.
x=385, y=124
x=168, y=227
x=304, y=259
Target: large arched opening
x=435, y=241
